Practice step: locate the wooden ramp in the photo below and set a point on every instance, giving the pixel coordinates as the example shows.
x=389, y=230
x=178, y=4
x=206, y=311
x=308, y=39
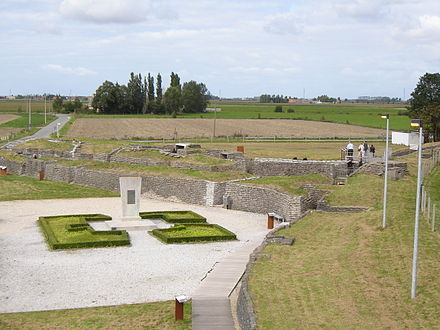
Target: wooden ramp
x=211, y=308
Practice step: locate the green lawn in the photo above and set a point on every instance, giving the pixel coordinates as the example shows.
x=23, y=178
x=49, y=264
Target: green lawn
x=168, y=171
x=174, y=216
x=13, y=187
x=37, y=120
x=21, y=106
x=158, y=315
x=46, y=144
x=345, y=271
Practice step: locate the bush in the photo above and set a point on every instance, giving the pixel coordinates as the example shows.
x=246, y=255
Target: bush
x=278, y=108
x=190, y=233
x=73, y=231
x=290, y=110
x=174, y=216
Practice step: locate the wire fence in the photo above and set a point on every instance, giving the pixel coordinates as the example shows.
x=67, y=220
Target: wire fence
x=429, y=207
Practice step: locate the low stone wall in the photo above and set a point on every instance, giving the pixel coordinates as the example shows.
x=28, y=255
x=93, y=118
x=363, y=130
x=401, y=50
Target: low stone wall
x=263, y=200
x=96, y=179
x=60, y=173
x=281, y=167
x=13, y=166
x=396, y=170
x=323, y=206
x=181, y=190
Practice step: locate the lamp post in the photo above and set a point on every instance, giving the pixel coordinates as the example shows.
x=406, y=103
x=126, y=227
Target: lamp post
x=385, y=187
x=417, y=123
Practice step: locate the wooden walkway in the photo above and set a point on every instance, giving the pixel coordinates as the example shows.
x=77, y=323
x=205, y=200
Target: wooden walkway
x=211, y=308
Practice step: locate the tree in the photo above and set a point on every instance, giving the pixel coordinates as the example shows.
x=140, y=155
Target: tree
x=57, y=104
x=172, y=100
x=425, y=104
x=159, y=95
x=72, y=106
x=135, y=94
x=194, y=97
x=108, y=98
x=150, y=93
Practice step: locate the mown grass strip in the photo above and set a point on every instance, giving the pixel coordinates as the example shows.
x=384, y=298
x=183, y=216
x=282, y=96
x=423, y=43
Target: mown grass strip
x=157, y=315
x=345, y=271
x=13, y=187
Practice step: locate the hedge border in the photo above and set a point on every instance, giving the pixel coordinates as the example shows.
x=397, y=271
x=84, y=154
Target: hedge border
x=161, y=234
x=53, y=243
x=195, y=218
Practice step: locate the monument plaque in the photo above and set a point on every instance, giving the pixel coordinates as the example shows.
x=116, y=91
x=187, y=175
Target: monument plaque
x=130, y=188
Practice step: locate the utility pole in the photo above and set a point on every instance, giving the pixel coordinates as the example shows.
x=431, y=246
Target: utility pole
x=45, y=109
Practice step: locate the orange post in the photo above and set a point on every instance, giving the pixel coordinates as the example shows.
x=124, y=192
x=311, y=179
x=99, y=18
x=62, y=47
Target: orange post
x=240, y=149
x=41, y=175
x=270, y=219
x=179, y=310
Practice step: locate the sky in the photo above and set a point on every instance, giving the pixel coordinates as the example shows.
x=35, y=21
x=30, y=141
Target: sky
x=237, y=48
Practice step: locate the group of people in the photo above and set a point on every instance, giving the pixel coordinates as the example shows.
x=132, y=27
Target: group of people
x=363, y=150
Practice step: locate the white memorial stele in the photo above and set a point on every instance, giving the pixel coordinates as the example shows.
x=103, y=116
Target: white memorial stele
x=130, y=188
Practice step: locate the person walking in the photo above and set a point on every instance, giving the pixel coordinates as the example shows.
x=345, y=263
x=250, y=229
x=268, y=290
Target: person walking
x=372, y=149
x=361, y=151
x=350, y=148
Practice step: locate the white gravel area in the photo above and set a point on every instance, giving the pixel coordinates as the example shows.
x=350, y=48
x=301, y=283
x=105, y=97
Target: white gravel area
x=34, y=278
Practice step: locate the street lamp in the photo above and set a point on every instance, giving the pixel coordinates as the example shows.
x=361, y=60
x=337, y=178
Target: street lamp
x=417, y=123
x=385, y=187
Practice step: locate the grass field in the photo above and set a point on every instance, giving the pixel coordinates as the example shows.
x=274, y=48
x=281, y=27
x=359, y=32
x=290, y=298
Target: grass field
x=13, y=187
x=159, y=315
x=344, y=271
x=356, y=114
x=22, y=106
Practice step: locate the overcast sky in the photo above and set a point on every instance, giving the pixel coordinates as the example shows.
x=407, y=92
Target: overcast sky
x=238, y=48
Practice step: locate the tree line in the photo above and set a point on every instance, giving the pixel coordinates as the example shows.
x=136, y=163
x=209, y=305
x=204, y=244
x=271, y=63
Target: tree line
x=145, y=95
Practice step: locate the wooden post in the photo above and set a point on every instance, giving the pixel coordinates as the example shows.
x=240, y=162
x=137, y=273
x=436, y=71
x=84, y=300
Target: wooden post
x=433, y=218
x=270, y=220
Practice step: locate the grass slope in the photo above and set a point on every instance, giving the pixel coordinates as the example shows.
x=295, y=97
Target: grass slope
x=344, y=271
x=14, y=187
x=158, y=315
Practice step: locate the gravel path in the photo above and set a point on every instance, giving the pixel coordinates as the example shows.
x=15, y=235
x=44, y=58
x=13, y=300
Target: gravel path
x=34, y=278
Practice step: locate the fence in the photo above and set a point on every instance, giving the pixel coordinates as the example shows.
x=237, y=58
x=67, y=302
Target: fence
x=428, y=206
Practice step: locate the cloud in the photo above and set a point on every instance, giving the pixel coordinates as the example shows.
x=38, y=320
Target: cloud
x=106, y=11
x=78, y=71
x=426, y=29
x=361, y=9
x=284, y=24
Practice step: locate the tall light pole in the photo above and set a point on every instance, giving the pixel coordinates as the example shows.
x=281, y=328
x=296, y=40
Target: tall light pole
x=45, y=109
x=385, y=187
x=30, y=113
x=417, y=123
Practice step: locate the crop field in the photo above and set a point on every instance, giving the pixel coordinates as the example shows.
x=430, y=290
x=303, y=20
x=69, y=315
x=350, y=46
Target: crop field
x=356, y=114
x=118, y=128
x=22, y=106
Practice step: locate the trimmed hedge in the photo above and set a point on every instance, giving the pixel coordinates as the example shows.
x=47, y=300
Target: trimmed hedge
x=174, y=216
x=75, y=224
x=166, y=235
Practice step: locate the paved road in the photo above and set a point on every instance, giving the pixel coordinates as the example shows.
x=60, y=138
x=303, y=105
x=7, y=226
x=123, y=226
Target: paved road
x=43, y=133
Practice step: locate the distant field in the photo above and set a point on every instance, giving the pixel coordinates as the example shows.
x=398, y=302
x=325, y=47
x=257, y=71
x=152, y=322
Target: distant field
x=356, y=114
x=107, y=128
x=6, y=118
x=22, y=106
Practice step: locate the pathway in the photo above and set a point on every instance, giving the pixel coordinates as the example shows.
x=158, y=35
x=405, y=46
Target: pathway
x=211, y=308
x=43, y=133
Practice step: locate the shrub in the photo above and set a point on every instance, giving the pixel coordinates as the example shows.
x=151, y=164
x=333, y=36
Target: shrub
x=290, y=110
x=174, y=216
x=278, y=108
x=190, y=233
x=73, y=231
